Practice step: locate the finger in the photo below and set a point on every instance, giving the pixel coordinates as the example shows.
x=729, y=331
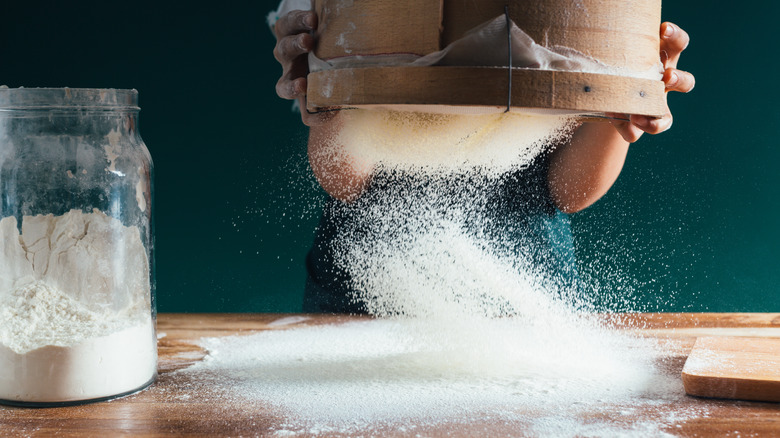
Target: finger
x=652, y=125
x=678, y=80
x=291, y=89
x=294, y=23
x=293, y=46
x=629, y=132
x=673, y=41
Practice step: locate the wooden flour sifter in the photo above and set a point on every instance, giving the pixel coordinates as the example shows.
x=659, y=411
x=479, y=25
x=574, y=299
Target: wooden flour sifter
x=621, y=36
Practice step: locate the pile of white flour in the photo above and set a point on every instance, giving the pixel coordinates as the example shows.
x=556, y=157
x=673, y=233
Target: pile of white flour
x=75, y=317
x=390, y=377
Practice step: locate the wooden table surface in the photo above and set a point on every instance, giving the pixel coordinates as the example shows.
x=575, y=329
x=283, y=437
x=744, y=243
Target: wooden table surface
x=158, y=411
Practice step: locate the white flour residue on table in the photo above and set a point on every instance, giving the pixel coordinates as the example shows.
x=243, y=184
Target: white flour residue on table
x=398, y=375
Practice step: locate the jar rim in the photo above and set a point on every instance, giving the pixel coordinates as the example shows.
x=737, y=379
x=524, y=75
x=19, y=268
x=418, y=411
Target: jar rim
x=68, y=98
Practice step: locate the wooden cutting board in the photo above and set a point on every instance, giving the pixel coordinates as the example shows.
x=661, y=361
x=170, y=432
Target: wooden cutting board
x=734, y=368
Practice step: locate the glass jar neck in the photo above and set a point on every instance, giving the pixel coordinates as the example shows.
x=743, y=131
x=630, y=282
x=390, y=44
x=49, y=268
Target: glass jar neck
x=76, y=111
x=67, y=99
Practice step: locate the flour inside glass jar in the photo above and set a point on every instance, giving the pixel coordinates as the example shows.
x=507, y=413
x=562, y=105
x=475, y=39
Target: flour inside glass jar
x=74, y=311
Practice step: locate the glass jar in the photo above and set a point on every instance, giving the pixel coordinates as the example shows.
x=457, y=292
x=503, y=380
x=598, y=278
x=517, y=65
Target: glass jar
x=77, y=310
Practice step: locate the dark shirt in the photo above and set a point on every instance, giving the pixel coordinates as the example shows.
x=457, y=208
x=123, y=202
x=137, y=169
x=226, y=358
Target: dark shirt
x=513, y=214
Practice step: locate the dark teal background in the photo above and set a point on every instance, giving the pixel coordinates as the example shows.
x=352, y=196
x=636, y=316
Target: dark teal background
x=691, y=225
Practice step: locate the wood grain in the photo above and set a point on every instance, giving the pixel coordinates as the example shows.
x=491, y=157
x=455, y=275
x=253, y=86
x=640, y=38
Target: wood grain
x=485, y=87
x=178, y=405
x=623, y=34
x=739, y=368
x=620, y=33
x=377, y=27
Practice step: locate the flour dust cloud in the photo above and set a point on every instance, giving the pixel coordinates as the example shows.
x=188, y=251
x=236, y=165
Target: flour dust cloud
x=482, y=320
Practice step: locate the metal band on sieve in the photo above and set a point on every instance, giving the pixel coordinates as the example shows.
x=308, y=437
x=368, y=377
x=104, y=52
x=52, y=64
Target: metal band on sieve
x=509, y=58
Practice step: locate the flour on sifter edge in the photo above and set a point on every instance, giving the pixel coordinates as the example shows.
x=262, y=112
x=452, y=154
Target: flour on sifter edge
x=472, y=336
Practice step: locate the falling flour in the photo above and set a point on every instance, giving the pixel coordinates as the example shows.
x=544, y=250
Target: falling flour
x=474, y=333
x=75, y=320
x=445, y=142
